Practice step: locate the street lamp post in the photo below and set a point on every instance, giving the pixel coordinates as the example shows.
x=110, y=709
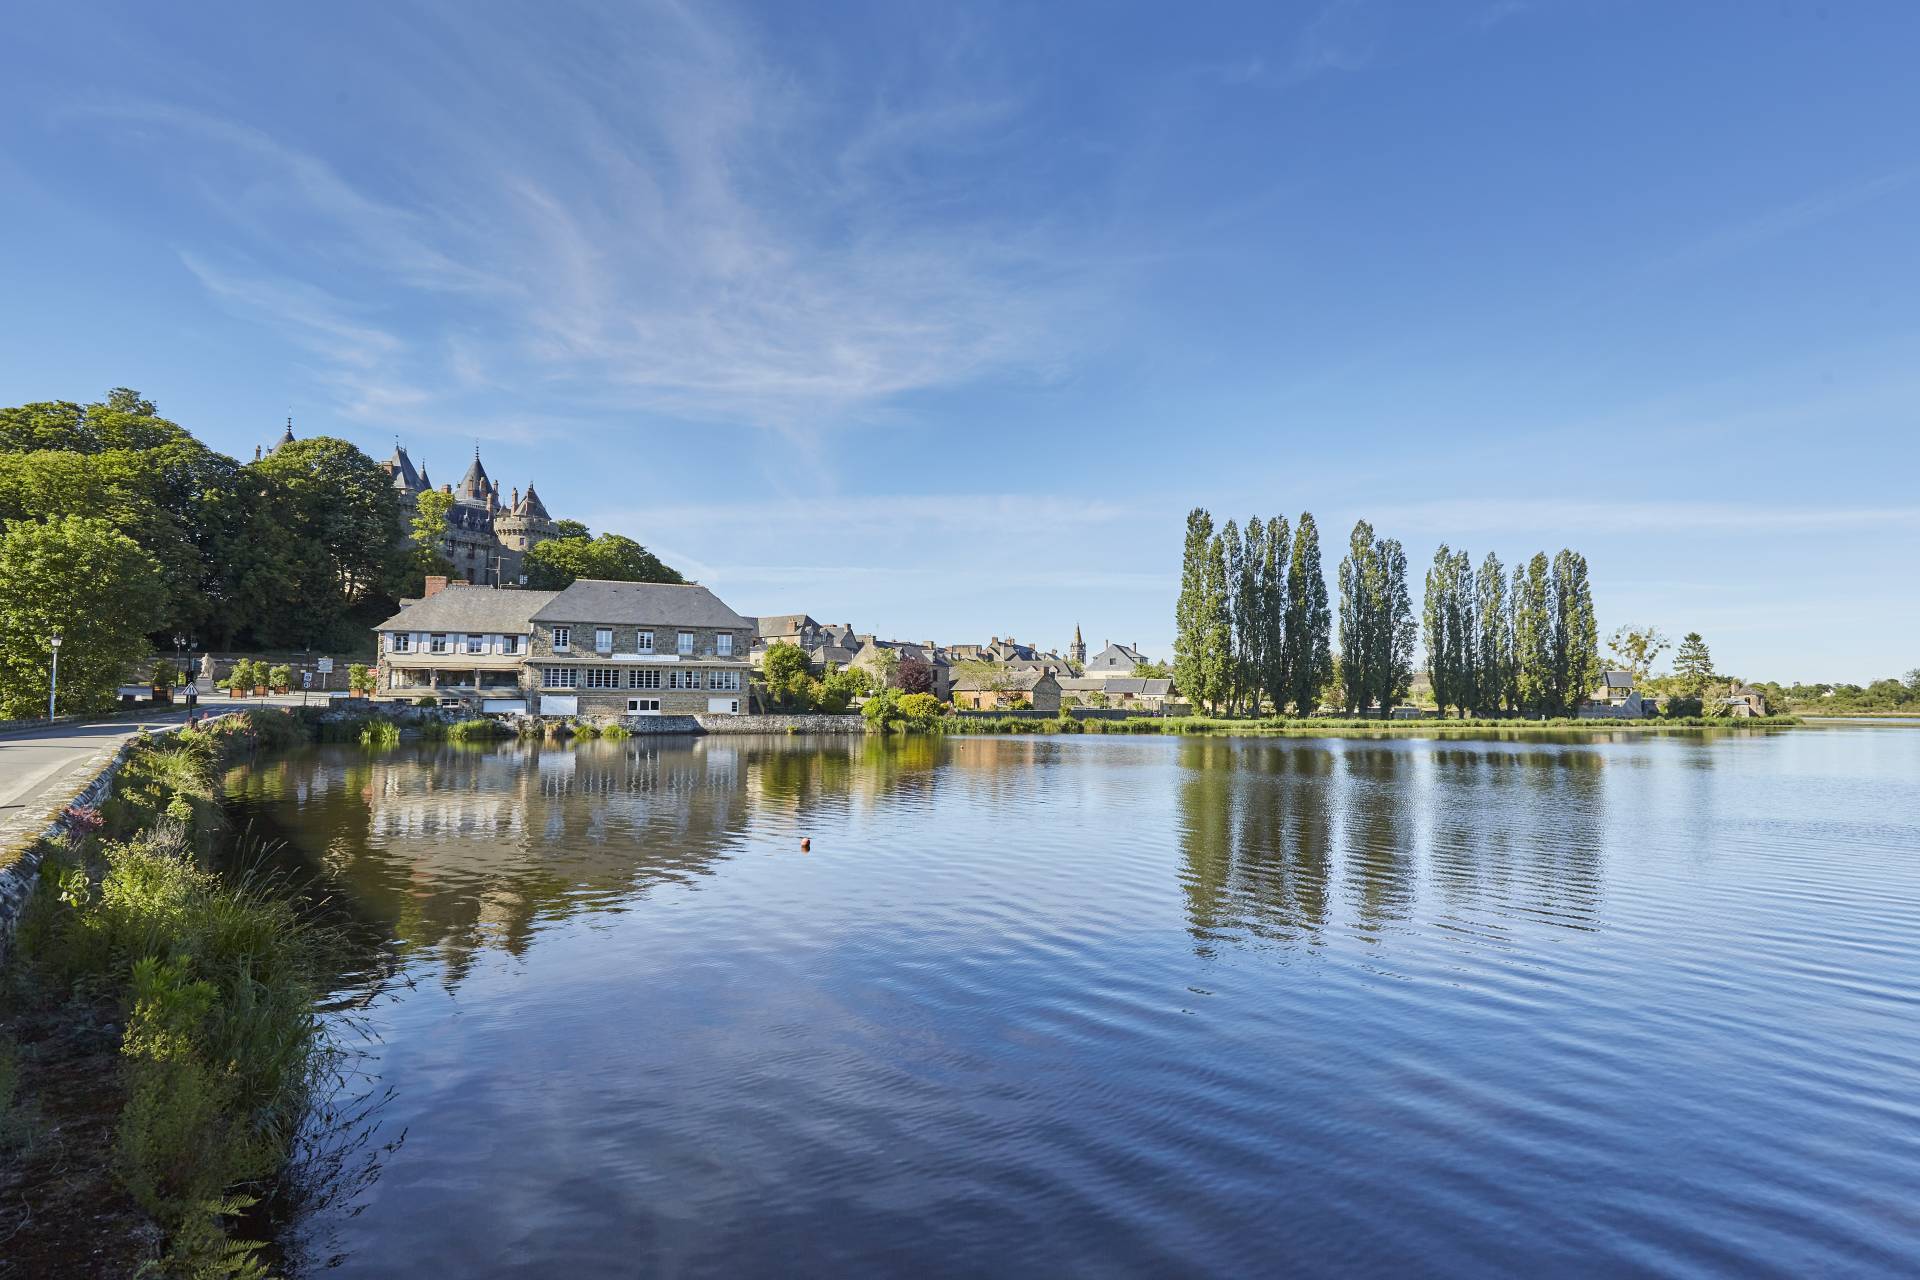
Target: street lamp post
x=53, y=687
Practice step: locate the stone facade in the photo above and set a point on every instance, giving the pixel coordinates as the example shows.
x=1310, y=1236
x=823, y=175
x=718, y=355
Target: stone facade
x=488, y=531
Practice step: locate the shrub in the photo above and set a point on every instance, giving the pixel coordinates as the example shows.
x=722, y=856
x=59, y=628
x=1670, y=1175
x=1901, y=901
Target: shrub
x=164, y=675
x=361, y=678
x=882, y=710
x=616, y=732
x=922, y=708
x=426, y=700
x=379, y=733
x=281, y=676
x=585, y=730
x=478, y=729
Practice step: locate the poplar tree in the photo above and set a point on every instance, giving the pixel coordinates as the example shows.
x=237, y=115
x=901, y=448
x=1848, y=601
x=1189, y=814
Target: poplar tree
x=1493, y=688
x=1216, y=628
x=1309, y=629
x=1436, y=613
x=1275, y=607
x=1395, y=627
x=1463, y=620
x=1533, y=634
x=1233, y=554
x=1249, y=618
x=1189, y=609
x=1359, y=631
x=1576, y=637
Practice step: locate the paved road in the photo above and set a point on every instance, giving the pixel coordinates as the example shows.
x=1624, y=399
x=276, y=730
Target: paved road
x=37, y=764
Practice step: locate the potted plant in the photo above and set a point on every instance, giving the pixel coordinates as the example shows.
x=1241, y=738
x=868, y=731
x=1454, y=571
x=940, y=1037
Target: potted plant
x=259, y=671
x=360, y=680
x=163, y=681
x=280, y=677
x=240, y=679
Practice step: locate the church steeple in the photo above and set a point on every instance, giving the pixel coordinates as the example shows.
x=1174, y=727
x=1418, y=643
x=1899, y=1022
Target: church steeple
x=1078, y=650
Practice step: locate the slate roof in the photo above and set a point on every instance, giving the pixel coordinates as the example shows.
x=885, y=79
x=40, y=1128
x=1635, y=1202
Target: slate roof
x=594, y=600
x=404, y=476
x=1616, y=679
x=783, y=624
x=1009, y=680
x=531, y=506
x=480, y=610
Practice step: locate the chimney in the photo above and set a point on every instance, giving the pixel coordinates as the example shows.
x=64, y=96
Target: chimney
x=436, y=583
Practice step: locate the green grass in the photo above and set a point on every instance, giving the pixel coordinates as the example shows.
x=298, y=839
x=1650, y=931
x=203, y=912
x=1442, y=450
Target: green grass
x=222, y=1050
x=478, y=729
x=379, y=734
x=1330, y=726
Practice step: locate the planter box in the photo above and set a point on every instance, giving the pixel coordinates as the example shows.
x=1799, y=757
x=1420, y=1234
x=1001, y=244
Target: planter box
x=235, y=693
x=280, y=688
x=356, y=693
x=259, y=691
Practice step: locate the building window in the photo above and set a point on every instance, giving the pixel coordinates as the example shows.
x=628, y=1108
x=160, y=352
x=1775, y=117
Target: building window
x=723, y=644
x=683, y=679
x=403, y=642
x=476, y=644
x=603, y=677
x=558, y=677
x=437, y=644
x=562, y=639
x=510, y=645
x=728, y=680
x=603, y=639
x=643, y=679
x=644, y=644
x=686, y=644
x=636, y=705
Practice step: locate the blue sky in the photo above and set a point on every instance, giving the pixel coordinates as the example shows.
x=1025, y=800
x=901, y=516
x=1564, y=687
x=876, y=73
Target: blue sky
x=936, y=318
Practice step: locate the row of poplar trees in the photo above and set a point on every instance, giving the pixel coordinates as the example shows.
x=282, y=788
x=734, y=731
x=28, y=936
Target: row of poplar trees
x=1252, y=622
x=1525, y=646
x=1253, y=628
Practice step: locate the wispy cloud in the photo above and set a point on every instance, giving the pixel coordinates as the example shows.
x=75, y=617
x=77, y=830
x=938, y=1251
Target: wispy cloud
x=682, y=229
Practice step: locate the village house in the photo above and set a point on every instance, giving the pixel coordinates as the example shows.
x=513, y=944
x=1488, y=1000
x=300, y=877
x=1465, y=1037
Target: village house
x=1617, y=699
x=999, y=690
x=460, y=641
x=605, y=649
x=1743, y=702
x=1115, y=659
x=1132, y=693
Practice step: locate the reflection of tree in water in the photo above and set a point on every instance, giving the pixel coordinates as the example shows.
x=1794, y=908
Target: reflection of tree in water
x=1381, y=781
x=1518, y=829
x=1254, y=827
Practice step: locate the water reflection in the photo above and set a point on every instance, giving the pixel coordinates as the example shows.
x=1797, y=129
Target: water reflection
x=1127, y=1006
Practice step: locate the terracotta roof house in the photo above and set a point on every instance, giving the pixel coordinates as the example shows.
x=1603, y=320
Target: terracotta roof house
x=998, y=690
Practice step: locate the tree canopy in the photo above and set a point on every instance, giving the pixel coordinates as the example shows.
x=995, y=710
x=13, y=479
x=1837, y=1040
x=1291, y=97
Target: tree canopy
x=83, y=580
x=554, y=564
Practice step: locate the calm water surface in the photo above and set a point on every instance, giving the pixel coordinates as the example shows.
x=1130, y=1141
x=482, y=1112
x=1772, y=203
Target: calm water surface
x=1116, y=1006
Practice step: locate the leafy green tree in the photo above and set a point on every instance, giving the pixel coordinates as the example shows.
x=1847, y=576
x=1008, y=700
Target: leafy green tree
x=1493, y=690
x=786, y=676
x=914, y=675
x=885, y=664
x=1392, y=649
x=81, y=579
x=1362, y=589
x=1448, y=610
x=1308, y=638
x=1271, y=655
x=1152, y=670
x=1693, y=664
x=1241, y=607
x=1576, y=636
x=429, y=528
x=1533, y=634
x=555, y=564
x=1216, y=629
x=1635, y=649
x=1190, y=609
x=564, y=529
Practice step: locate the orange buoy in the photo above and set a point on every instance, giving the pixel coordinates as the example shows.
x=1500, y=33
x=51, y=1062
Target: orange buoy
x=805, y=844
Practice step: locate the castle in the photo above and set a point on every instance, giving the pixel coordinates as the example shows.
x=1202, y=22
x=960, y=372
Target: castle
x=487, y=535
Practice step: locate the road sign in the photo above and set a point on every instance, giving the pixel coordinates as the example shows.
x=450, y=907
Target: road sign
x=325, y=666
x=306, y=678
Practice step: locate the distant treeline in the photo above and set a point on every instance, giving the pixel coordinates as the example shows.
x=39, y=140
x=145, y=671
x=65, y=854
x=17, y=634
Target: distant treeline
x=1253, y=629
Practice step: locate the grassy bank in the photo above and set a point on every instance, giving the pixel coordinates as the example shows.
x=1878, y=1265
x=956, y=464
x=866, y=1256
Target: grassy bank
x=166, y=1049
x=1331, y=727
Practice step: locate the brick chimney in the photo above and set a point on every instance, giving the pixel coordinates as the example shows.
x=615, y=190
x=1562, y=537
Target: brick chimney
x=436, y=583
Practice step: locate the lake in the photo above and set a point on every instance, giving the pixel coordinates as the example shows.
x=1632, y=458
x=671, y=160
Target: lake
x=1626, y=1004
